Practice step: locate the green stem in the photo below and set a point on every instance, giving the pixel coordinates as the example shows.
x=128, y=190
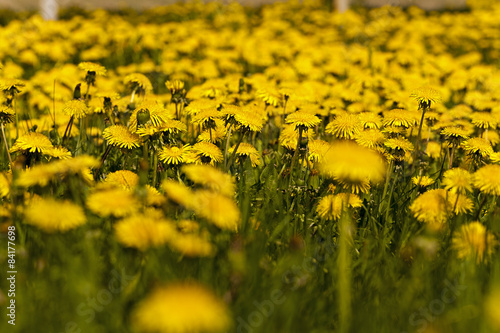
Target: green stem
x=226, y=148
x=451, y=156
x=233, y=155
x=67, y=132
x=344, y=279
x=295, y=154
x=6, y=144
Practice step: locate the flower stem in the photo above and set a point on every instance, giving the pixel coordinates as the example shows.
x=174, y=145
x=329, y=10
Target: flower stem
x=226, y=148
x=233, y=155
x=67, y=132
x=295, y=154
x=6, y=144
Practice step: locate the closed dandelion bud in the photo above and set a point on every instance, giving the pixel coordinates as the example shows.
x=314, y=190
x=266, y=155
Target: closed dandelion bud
x=77, y=93
x=143, y=117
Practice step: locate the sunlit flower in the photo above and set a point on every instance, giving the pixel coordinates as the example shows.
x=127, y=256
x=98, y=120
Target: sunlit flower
x=354, y=166
x=399, y=147
x=344, y=126
x=400, y=118
x=192, y=245
x=302, y=119
x=473, y=241
x=425, y=96
x=370, y=138
x=178, y=193
x=118, y=135
x=5, y=181
x=317, y=149
x=76, y=108
x=211, y=178
x=144, y=231
x=174, y=155
x=457, y=180
x=432, y=208
x=422, y=181
x=123, y=178
x=7, y=115
x=247, y=150
x=460, y=203
x=478, y=147
x=32, y=142
x=208, y=152
x=139, y=80
x=112, y=202
x=217, y=209
x=331, y=206
x=181, y=308
x=50, y=215
x=94, y=68
x=487, y=179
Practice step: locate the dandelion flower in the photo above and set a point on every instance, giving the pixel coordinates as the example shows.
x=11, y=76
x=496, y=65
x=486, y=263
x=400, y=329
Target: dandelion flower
x=460, y=203
x=7, y=115
x=118, y=135
x=217, y=209
x=5, y=180
x=210, y=178
x=50, y=215
x=352, y=165
x=330, y=207
x=123, y=178
x=344, y=126
x=249, y=121
x=455, y=134
x=175, y=86
x=139, y=80
x=370, y=138
x=478, y=147
x=247, y=150
x=399, y=147
x=93, y=68
x=58, y=152
x=32, y=142
x=11, y=85
x=206, y=117
x=178, y=193
x=302, y=119
x=174, y=155
x=432, y=208
x=473, y=241
x=112, y=202
x=487, y=179
x=317, y=149
x=208, y=152
x=370, y=120
x=181, y=308
x=422, y=181
x=144, y=231
x=484, y=120
x=75, y=108
x=192, y=245
x=457, y=180
x=400, y=118
x=425, y=95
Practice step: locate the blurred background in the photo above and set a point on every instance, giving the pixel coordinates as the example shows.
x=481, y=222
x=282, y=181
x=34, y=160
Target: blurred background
x=117, y=4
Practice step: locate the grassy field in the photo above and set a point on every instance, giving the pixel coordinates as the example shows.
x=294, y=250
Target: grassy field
x=217, y=168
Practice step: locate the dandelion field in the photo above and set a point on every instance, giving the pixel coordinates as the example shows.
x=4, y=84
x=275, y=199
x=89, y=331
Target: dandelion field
x=217, y=168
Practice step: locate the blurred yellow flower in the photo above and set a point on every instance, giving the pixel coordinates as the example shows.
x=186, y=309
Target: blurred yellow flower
x=473, y=241
x=211, y=178
x=181, y=308
x=331, y=206
x=51, y=215
x=143, y=231
x=487, y=179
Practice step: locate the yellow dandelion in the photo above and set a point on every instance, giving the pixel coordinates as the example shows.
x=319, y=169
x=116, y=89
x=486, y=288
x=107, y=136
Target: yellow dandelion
x=370, y=138
x=330, y=207
x=269, y=95
x=181, y=308
x=217, y=209
x=32, y=142
x=289, y=136
x=304, y=120
x=425, y=96
x=473, y=241
x=210, y=178
x=112, y=202
x=249, y=120
x=487, y=179
x=76, y=108
x=344, y=126
x=118, y=135
x=174, y=155
x=154, y=197
x=247, y=150
x=432, y=208
x=370, y=120
x=192, y=245
x=484, y=120
x=188, y=226
x=478, y=147
x=178, y=193
x=139, y=80
x=123, y=178
x=93, y=68
x=399, y=147
x=352, y=165
x=175, y=86
x=51, y=216
x=208, y=152
x=317, y=149
x=460, y=203
x=11, y=85
x=7, y=115
x=37, y=175
x=422, y=181
x=400, y=118
x=207, y=117
x=495, y=157
x=144, y=231
x=58, y=152
x=455, y=134
x=457, y=180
